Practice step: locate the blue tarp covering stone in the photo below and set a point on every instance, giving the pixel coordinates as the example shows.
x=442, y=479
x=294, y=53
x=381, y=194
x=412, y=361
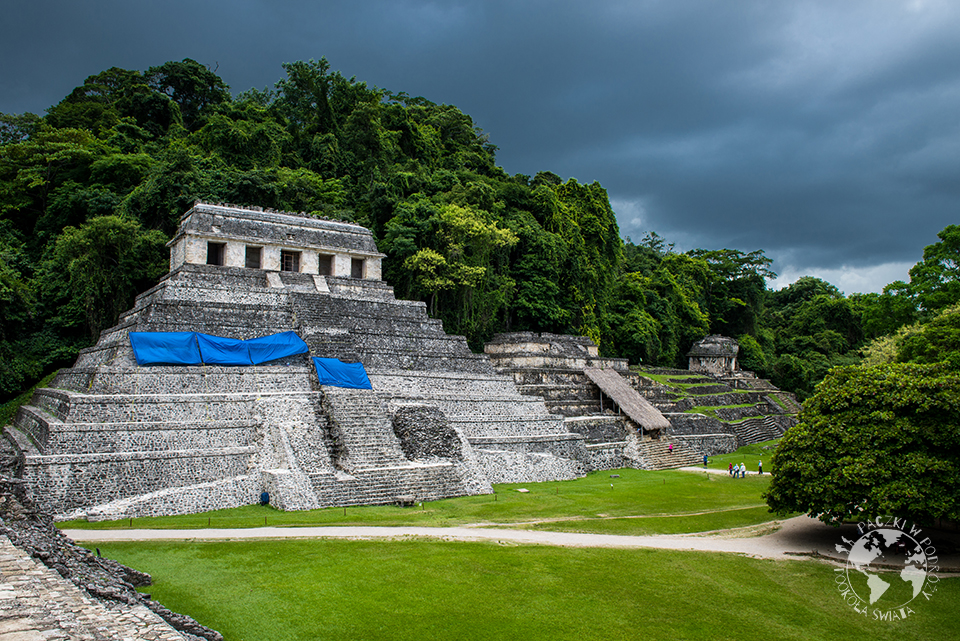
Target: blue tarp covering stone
x=217, y=350
x=336, y=373
x=270, y=348
x=165, y=348
x=193, y=348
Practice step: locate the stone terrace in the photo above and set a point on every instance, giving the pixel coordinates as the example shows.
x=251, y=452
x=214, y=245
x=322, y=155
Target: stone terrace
x=37, y=604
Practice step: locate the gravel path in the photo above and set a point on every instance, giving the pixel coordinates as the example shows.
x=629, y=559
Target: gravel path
x=792, y=538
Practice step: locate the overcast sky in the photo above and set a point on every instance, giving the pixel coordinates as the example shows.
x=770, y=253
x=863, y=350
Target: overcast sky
x=826, y=133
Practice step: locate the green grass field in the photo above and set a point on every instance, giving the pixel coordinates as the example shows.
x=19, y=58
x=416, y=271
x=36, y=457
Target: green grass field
x=418, y=589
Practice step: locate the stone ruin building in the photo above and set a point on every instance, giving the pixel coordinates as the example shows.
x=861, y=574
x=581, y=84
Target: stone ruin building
x=596, y=396
x=715, y=354
x=748, y=409
x=110, y=438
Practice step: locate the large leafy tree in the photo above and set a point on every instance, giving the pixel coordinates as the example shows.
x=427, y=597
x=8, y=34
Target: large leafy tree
x=94, y=271
x=192, y=86
x=874, y=441
x=812, y=327
x=935, y=281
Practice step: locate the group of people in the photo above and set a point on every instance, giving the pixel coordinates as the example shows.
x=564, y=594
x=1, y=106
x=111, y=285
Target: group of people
x=741, y=470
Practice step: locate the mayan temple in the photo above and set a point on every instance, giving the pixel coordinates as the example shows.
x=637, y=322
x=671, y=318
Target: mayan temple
x=113, y=438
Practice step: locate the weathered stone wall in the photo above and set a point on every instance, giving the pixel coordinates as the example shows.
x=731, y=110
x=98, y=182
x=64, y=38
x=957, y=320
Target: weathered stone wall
x=709, y=444
x=512, y=466
x=59, y=590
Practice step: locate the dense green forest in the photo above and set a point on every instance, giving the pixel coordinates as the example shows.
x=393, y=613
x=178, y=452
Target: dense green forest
x=91, y=191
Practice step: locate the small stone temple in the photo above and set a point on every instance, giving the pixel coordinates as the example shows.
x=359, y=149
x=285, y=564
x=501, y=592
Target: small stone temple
x=111, y=438
x=715, y=354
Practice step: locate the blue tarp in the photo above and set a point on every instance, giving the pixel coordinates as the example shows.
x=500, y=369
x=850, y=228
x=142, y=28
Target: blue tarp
x=270, y=348
x=165, y=348
x=217, y=350
x=335, y=372
x=193, y=348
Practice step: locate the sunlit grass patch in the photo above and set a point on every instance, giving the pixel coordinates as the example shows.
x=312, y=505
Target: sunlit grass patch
x=417, y=589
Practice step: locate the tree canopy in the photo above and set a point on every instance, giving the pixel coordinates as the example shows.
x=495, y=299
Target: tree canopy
x=874, y=441
x=91, y=190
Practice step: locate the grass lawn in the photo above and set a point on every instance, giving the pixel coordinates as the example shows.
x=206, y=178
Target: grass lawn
x=412, y=588
x=748, y=455
x=668, y=501
x=418, y=589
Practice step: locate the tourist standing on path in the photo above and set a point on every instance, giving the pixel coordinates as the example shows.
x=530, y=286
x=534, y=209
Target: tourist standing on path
x=743, y=470
x=760, y=466
x=704, y=460
x=730, y=469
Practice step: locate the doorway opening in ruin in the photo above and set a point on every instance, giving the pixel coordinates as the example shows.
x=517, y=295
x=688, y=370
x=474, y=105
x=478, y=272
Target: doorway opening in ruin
x=254, y=257
x=215, y=252
x=356, y=268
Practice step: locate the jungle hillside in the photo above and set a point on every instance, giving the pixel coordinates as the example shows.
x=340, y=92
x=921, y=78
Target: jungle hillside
x=92, y=190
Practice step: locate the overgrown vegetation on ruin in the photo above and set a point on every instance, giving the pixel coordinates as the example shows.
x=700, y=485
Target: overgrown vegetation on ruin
x=91, y=191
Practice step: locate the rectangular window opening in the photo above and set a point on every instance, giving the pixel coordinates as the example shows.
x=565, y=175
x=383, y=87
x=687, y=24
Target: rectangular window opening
x=325, y=265
x=356, y=268
x=254, y=257
x=289, y=261
x=215, y=252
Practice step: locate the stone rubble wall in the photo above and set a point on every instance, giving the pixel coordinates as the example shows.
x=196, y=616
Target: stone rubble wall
x=685, y=424
x=709, y=444
x=55, y=590
x=510, y=466
x=603, y=428
x=605, y=456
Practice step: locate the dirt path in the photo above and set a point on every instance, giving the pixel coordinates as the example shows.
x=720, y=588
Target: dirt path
x=798, y=537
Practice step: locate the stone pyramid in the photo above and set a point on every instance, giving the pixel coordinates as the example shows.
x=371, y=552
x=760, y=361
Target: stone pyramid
x=111, y=439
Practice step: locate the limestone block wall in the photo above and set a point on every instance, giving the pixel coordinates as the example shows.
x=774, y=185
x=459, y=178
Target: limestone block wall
x=709, y=444
x=384, y=486
x=511, y=466
x=603, y=428
x=66, y=482
x=541, y=343
x=564, y=445
x=605, y=456
x=200, y=497
x=478, y=405
x=684, y=424
x=188, y=380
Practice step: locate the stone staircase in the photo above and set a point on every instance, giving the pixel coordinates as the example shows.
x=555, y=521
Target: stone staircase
x=656, y=455
x=361, y=432
x=761, y=428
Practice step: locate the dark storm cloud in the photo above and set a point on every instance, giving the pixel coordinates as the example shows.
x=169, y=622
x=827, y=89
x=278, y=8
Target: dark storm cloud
x=825, y=133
